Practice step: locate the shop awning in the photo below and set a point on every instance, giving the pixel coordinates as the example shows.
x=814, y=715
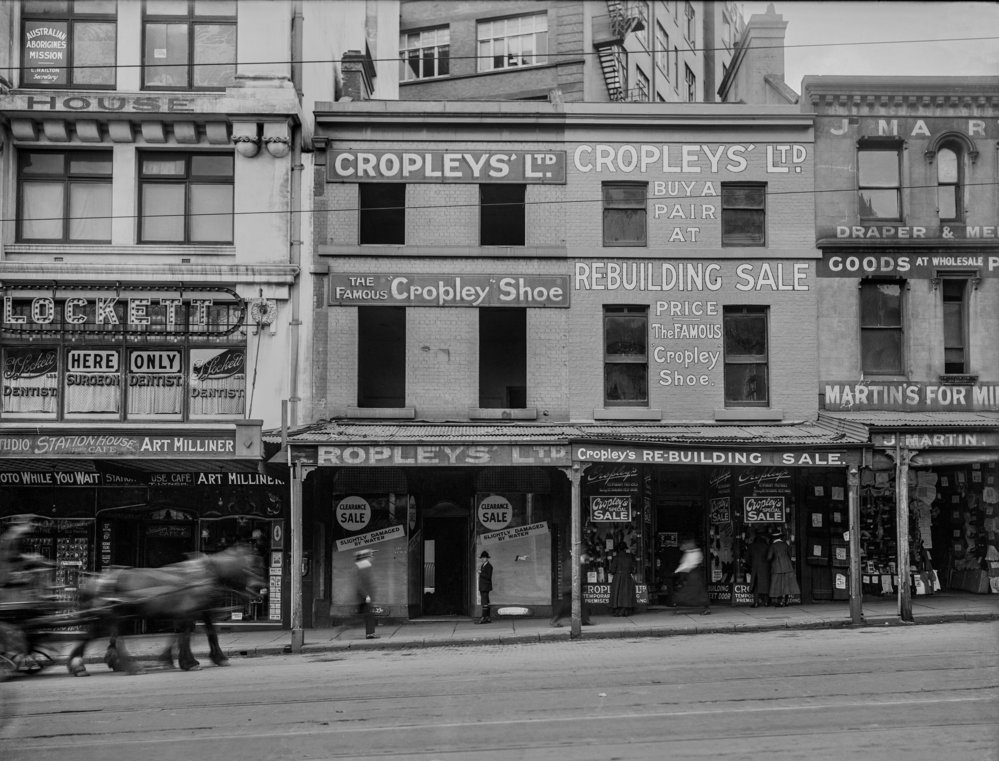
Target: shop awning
x=361, y=444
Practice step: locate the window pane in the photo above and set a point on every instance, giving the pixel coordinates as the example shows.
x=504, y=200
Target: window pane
x=90, y=163
x=630, y=195
x=953, y=324
x=743, y=227
x=946, y=165
x=626, y=383
x=744, y=196
x=41, y=7
x=94, y=53
x=166, y=55
x=211, y=166
x=105, y=7
x=746, y=383
x=947, y=201
x=214, y=55
x=881, y=305
x=166, y=7
x=878, y=169
x=90, y=211
x=33, y=164
x=41, y=210
x=214, y=7
x=624, y=226
x=163, y=167
x=443, y=60
x=163, y=213
x=882, y=204
x=881, y=351
x=745, y=335
x=625, y=335
x=211, y=213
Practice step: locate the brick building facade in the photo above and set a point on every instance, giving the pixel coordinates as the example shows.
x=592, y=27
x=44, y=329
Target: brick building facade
x=528, y=312
x=906, y=221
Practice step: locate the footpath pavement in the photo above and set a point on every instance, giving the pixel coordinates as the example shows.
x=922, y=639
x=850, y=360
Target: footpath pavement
x=237, y=642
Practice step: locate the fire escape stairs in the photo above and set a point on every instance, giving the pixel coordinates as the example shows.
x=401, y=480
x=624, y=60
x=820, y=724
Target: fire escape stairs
x=622, y=19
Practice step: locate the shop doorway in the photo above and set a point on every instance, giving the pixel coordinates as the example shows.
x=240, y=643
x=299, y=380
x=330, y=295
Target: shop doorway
x=445, y=562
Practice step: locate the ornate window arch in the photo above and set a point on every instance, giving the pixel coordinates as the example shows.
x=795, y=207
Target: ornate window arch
x=950, y=152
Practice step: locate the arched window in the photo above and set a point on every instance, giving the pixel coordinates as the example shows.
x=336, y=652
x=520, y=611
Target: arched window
x=950, y=182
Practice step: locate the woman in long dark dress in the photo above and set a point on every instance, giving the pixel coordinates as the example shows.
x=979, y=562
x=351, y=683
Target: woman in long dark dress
x=690, y=588
x=783, y=585
x=759, y=569
x=622, y=591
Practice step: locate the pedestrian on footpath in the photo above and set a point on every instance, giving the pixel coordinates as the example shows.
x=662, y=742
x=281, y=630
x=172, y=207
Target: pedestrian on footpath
x=485, y=587
x=622, y=591
x=759, y=569
x=365, y=583
x=690, y=588
x=783, y=585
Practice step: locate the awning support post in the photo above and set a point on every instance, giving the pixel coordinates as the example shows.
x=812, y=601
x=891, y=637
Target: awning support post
x=853, y=522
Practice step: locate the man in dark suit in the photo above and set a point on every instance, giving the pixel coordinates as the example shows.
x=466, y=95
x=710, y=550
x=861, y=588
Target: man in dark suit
x=485, y=586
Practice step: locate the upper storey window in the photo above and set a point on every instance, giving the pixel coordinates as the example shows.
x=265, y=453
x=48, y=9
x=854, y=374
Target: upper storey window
x=186, y=197
x=950, y=183
x=879, y=183
x=68, y=43
x=425, y=54
x=189, y=44
x=516, y=41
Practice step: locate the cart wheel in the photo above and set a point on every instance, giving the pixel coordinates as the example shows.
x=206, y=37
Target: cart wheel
x=42, y=658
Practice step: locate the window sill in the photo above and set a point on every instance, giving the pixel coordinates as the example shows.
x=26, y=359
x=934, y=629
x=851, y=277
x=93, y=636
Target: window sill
x=503, y=413
x=627, y=413
x=382, y=413
x=105, y=249
x=755, y=414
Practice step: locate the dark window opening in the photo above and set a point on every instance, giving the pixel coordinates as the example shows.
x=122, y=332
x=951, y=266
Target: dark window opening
x=502, y=217
x=503, y=358
x=747, y=375
x=381, y=356
x=383, y=213
x=881, y=328
x=626, y=356
x=954, y=325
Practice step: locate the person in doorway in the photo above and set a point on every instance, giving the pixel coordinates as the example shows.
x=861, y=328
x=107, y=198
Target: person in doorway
x=690, y=588
x=759, y=569
x=783, y=585
x=485, y=587
x=622, y=591
x=365, y=590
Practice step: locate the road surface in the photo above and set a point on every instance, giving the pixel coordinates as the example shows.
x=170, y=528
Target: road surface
x=914, y=692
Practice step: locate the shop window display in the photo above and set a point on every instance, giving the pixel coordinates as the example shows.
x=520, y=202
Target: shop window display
x=953, y=532
x=217, y=535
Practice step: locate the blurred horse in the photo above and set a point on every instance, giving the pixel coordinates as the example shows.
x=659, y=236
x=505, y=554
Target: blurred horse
x=183, y=593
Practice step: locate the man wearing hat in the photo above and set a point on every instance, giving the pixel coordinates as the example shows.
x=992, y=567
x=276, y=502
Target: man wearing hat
x=365, y=585
x=485, y=586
